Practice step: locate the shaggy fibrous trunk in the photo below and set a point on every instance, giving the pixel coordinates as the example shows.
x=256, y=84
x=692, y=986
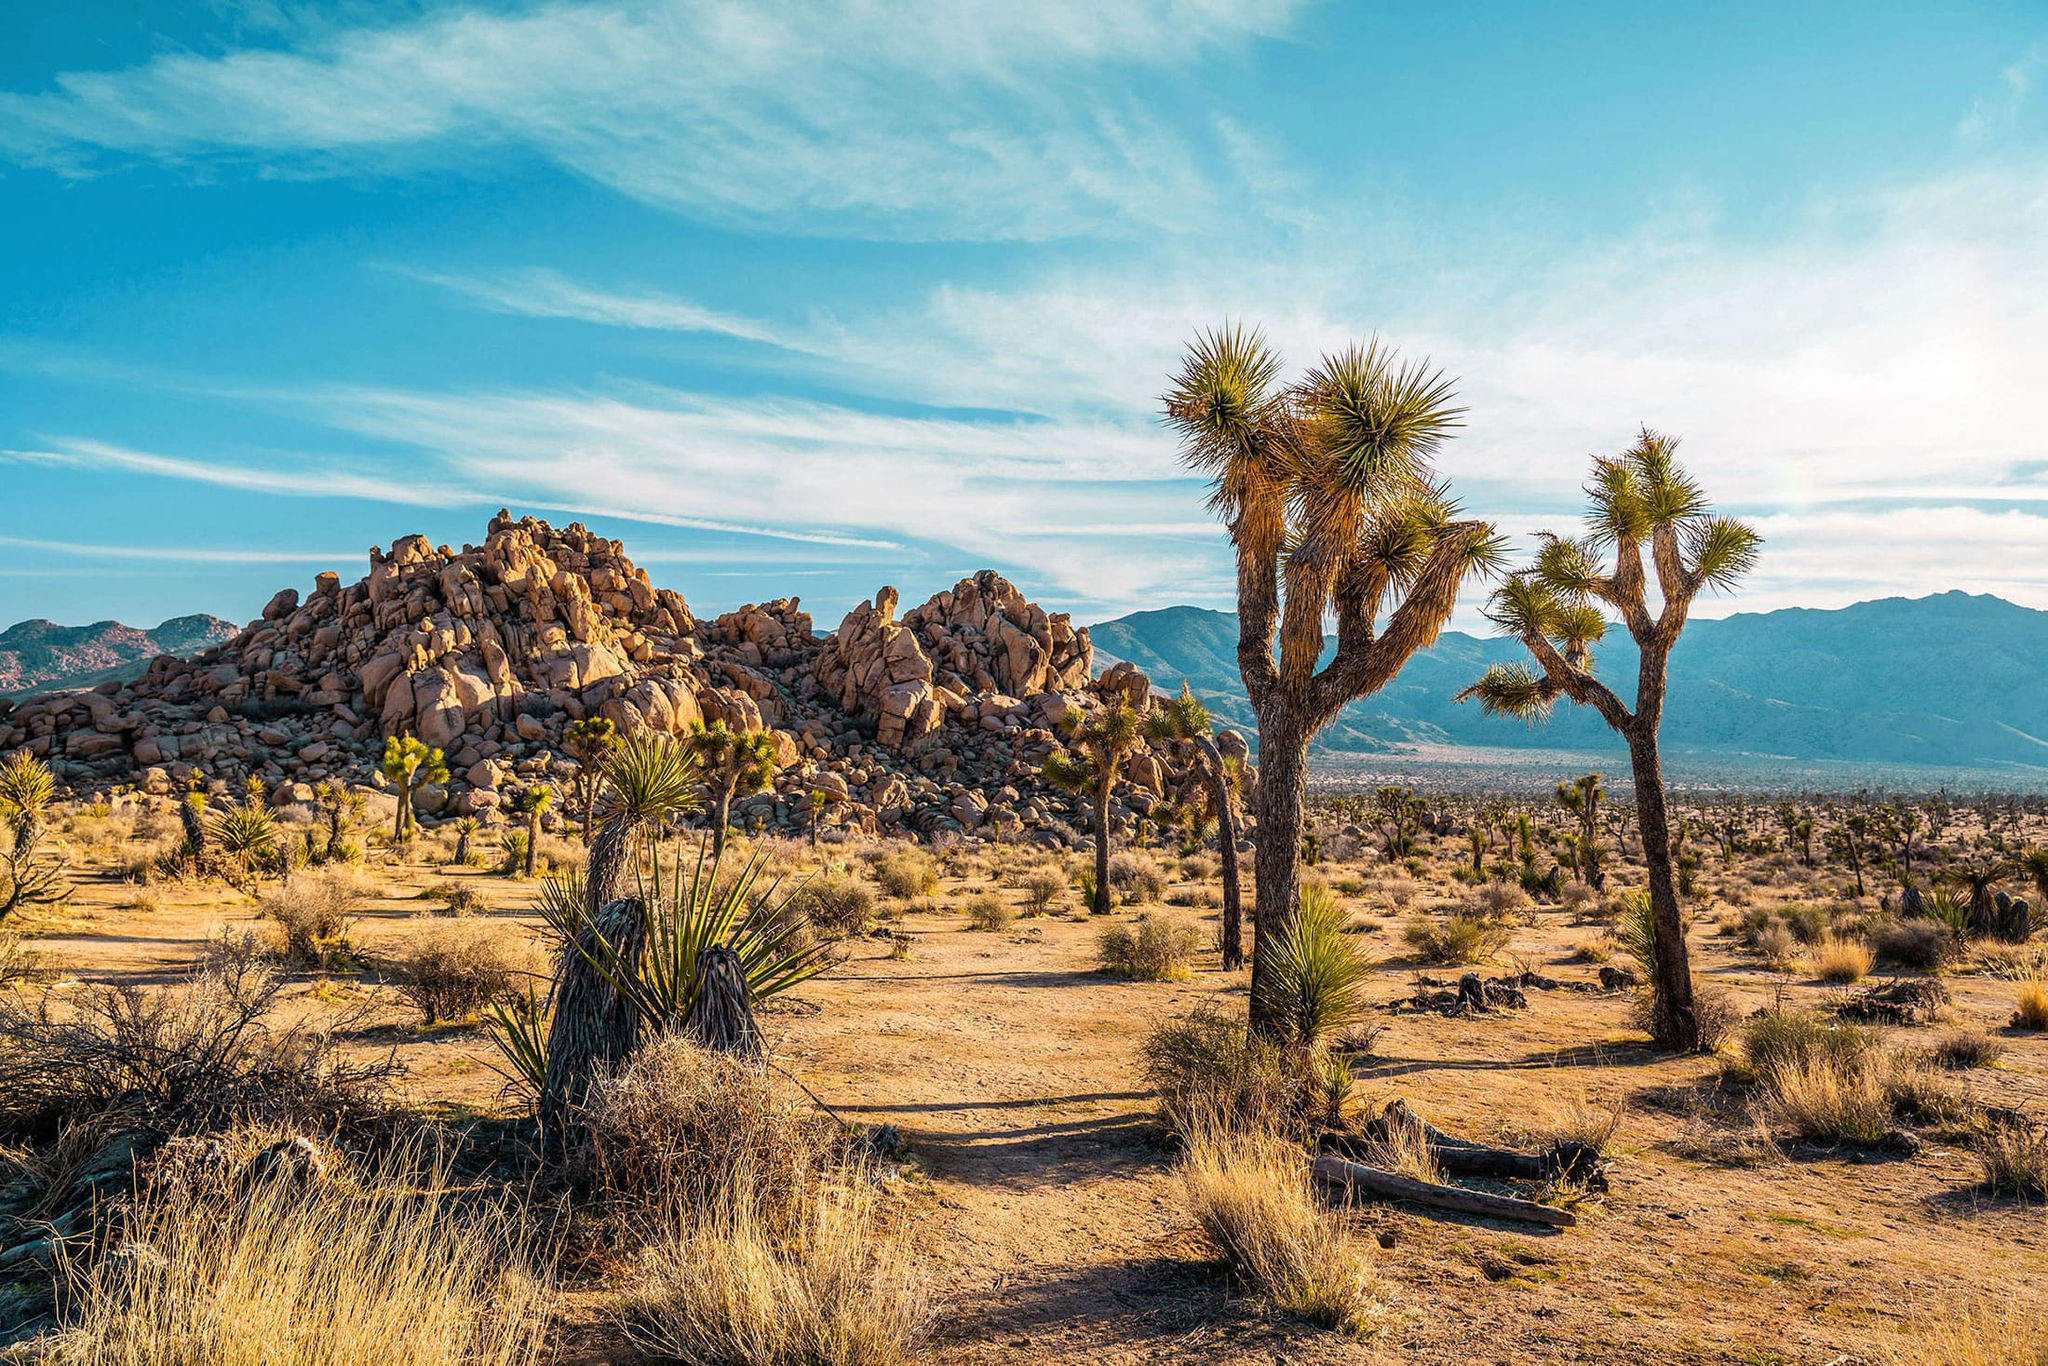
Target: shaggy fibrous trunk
x=1226, y=848
x=1100, y=904
x=1674, y=1020
x=1282, y=792
x=594, y=1026
x=722, y=1014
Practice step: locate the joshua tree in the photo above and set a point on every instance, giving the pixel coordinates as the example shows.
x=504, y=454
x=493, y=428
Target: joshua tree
x=465, y=830
x=1103, y=744
x=1898, y=825
x=1184, y=722
x=1325, y=488
x=815, y=803
x=1581, y=796
x=531, y=803
x=648, y=779
x=589, y=742
x=1399, y=813
x=411, y=764
x=1979, y=883
x=734, y=762
x=340, y=804
x=1641, y=501
x=27, y=787
x=1848, y=842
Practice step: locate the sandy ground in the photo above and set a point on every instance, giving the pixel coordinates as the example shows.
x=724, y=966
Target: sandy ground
x=1041, y=1191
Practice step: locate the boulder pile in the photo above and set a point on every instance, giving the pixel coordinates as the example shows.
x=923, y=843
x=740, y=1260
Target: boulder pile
x=939, y=721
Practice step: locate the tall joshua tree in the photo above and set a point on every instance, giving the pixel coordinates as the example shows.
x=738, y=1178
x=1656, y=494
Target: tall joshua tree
x=1641, y=501
x=734, y=762
x=1103, y=744
x=411, y=764
x=647, y=779
x=1325, y=488
x=590, y=742
x=1184, y=722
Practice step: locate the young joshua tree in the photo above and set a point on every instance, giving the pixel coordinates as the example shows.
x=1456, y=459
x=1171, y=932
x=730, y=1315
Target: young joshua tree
x=1184, y=721
x=1325, y=488
x=1641, y=501
x=1581, y=796
x=590, y=742
x=532, y=803
x=1103, y=744
x=735, y=762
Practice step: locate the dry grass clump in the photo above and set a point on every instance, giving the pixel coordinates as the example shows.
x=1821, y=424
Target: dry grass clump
x=1465, y=936
x=1253, y=1198
x=2015, y=1158
x=456, y=898
x=1840, y=960
x=905, y=872
x=837, y=906
x=1579, y=899
x=2030, y=1006
x=1832, y=1083
x=1152, y=948
x=1777, y=946
x=450, y=970
x=1825, y=1103
x=1497, y=899
x=1043, y=886
x=314, y=912
x=1209, y=1073
x=680, y=1126
x=385, y=1269
x=1961, y=1050
x=1134, y=878
x=1199, y=867
x=988, y=912
x=197, y=1056
x=729, y=1288
x=2003, y=1336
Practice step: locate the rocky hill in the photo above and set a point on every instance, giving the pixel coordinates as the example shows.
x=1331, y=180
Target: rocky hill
x=935, y=721
x=1950, y=681
x=38, y=654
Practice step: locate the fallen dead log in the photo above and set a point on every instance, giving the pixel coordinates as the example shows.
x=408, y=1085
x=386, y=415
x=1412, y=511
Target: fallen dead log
x=1579, y=1163
x=1355, y=1177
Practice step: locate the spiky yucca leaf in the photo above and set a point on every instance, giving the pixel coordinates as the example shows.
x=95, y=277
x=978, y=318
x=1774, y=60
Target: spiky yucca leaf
x=1315, y=982
x=650, y=777
x=519, y=1029
x=27, y=788
x=1511, y=689
x=1638, y=932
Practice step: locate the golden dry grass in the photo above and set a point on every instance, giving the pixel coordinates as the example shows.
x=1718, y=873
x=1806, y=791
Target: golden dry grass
x=384, y=1270
x=1252, y=1196
x=1840, y=960
x=2030, y=1005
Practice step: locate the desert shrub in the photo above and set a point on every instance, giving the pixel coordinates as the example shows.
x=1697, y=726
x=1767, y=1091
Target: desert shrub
x=1252, y=1197
x=1781, y=1040
x=1591, y=951
x=837, y=905
x=1134, y=878
x=452, y=971
x=1315, y=978
x=1208, y=1072
x=386, y=1268
x=1149, y=949
x=1840, y=960
x=1201, y=898
x=906, y=872
x=314, y=914
x=1574, y=1117
x=2030, y=1006
x=2014, y=1155
x=1500, y=899
x=1808, y=924
x=1960, y=1050
x=988, y=912
x=1578, y=898
x=513, y=861
x=1042, y=886
x=1921, y=945
x=1464, y=936
x=1824, y=1102
x=455, y=898
x=201, y=1055
x=1400, y=891
x=17, y=960
x=1717, y=1011
x=1776, y=945
x=730, y=1285
x=682, y=1126
x=1199, y=867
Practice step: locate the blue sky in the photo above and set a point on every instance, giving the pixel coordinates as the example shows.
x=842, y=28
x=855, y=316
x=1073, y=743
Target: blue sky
x=808, y=298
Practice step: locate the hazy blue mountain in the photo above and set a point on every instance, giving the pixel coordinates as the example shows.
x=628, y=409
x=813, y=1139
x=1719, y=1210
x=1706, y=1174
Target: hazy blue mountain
x=1953, y=680
x=38, y=654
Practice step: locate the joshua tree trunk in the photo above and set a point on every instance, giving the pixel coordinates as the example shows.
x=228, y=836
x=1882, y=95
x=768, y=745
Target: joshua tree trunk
x=593, y=1024
x=1283, y=788
x=721, y=815
x=1676, y=1019
x=1100, y=904
x=404, y=810
x=532, y=839
x=1226, y=848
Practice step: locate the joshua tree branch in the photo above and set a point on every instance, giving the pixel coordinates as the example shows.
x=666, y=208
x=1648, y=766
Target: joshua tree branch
x=1578, y=685
x=1258, y=608
x=1368, y=666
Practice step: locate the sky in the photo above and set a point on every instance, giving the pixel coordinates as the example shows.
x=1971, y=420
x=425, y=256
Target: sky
x=802, y=299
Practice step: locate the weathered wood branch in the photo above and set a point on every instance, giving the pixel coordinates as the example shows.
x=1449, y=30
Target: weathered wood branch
x=1356, y=1177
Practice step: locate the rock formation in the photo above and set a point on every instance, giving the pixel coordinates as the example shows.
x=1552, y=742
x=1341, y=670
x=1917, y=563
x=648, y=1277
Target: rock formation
x=938, y=721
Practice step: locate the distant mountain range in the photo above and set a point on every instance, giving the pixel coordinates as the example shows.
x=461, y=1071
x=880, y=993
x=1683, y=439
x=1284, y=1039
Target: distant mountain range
x=37, y=654
x=1953, y=680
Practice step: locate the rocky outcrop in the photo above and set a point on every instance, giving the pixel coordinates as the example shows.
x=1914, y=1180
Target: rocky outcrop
x=938, y=721
x=41, y=654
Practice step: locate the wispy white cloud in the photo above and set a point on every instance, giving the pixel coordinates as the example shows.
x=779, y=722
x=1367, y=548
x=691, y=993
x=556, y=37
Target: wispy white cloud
x=307, y=480
x=910, y=118
x=537, y=292
x=179, y=554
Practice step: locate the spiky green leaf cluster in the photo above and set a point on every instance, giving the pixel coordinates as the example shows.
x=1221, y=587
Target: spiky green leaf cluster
x=1316, y=974
x=650, y=777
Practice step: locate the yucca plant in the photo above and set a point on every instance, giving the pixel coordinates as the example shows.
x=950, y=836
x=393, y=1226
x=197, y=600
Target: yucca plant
x=1315, y=979
x=647, y=780
x=1638, y=932
x=519, y=1029
x=246, y=836
x=1948, y=906
x=27, y=787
